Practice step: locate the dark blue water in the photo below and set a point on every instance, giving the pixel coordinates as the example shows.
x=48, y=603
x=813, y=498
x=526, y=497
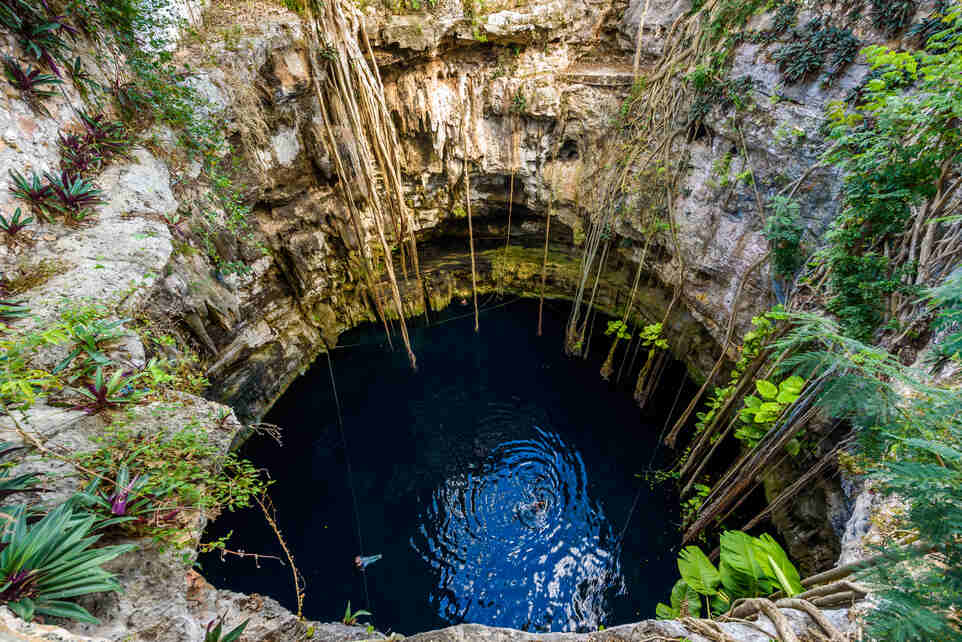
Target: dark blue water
x=496, y=482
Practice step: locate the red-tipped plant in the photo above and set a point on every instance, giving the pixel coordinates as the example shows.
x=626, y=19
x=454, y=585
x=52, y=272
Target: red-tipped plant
x=33, y=84
x=103, y=393
x=73, y=196
x=33, y=192
x=14, y=225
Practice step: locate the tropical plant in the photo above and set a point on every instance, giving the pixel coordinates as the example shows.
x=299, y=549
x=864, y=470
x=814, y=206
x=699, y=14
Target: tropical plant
x=32, y=191
x=40, y=34
x=685, y=602
x=82, y=79
x=947, y=299
x=806, y=53
x=73, y=196
x=77, y=158
x=47, y=562
x=90, y=338
x=109, y=138
x=11, y=310
x=892, y=16
x=103, y=393
x=899, y=151
x=749, y=567
x=214, y=631
x=33, y=84
x=759, y=414
x=18, y=483
x=617, y=328
x=350, y=617
x=15, y=224
x=784, y=230
x=183, y=473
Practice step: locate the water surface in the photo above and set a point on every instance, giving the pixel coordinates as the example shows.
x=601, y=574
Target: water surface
x=496, y=482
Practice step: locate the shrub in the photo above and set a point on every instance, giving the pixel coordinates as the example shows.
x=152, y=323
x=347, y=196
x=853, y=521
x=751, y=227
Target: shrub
x=749, y=567
x=45, y=563
x=806, y=54
x=183, y=470
x=784, y=230
x=892, y=16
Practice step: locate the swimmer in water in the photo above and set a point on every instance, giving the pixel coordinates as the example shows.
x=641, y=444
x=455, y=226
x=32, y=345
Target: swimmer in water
x=363, y=562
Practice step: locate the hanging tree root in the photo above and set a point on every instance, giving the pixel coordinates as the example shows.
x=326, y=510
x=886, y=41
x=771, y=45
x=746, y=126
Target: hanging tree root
x=707, y=629
x=752, y=606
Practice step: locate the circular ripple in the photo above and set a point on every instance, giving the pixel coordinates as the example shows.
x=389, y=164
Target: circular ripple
x=516, y=541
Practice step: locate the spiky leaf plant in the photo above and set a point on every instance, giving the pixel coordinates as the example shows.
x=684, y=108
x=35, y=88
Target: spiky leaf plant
x=15, y=224
x=104, y=393
x=215, y=630
x=33, y=84
x=73, y=196
x=11, y=310
x=40, y=33
x=32, y=191
x=45, y=563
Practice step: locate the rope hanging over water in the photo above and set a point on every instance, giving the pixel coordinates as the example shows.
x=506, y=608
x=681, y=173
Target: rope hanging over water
x=350, y=478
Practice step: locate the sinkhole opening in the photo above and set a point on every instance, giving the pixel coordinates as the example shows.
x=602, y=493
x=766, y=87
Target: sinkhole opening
x=496, y=482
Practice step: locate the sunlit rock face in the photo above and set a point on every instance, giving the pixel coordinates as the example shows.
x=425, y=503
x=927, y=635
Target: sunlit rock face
x=518, y=542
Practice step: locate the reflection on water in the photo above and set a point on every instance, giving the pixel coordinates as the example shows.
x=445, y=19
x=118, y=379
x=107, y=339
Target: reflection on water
x=479, y=515
x=516, y=541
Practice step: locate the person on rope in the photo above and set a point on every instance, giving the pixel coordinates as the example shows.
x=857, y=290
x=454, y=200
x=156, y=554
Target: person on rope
x=363, y=562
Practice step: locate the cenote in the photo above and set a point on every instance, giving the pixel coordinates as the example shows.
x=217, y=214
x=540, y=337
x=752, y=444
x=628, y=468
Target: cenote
x=496, y=481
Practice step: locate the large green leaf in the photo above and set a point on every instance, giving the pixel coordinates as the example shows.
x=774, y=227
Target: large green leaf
x=793, y=385
x=685, y=601
x=766, y=389
x=698, y=571
x=781, y=567
x=741, y=573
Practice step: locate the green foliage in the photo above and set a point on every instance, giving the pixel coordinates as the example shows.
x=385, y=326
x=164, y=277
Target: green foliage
x=15, y=224
x=350, y=617
x=947, y=299
x=33, y=191
x=651, y=337
x=216, y=633
x=759, y=414
x=32, y=84
x=90, y=338
x=181, y=473
x=892, y=16
x=103, y=393
x=617, y=328
x=712, y=89
x=749, y=567
x=47, y=562
x=910, y=438
x=73, y=196
x=891, y=146
x=685, y=602
x=519, y=103
x=693, y=504
x=812, y=47
x=784, y=230
x=20, y=381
